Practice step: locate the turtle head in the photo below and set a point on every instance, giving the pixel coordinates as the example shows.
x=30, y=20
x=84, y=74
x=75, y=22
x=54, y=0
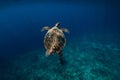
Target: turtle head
x=57, y=24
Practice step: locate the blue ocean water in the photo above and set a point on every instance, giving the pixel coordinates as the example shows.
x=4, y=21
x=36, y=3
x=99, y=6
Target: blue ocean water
x=92, y=50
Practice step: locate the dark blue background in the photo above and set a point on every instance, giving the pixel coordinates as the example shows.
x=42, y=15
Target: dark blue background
x=21, y=21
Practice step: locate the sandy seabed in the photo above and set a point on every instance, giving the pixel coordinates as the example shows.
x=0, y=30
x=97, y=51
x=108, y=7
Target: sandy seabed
x=83, y=61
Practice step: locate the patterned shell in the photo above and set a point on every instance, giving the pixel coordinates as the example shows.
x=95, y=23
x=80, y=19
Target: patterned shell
x=54, y=41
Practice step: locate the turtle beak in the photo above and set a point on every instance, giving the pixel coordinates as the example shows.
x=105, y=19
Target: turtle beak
x=57, y=24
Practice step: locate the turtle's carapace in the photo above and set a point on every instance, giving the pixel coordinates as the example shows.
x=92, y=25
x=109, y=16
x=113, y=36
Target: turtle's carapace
x=54, y=40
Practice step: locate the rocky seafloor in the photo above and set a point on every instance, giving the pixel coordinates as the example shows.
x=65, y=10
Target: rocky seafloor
x=85, y=60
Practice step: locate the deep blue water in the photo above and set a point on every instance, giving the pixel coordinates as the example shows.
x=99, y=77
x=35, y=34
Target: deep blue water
x=95, y=24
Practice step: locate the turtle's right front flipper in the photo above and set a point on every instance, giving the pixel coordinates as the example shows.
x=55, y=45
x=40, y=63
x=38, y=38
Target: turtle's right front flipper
x=65, y=30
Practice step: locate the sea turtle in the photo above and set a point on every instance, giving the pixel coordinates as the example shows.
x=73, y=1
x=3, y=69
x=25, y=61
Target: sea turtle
x=54, y=40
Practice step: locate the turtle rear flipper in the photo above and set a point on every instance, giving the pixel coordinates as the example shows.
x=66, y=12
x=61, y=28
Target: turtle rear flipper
x=62, y=61
x=48, y=52
x=45, y=28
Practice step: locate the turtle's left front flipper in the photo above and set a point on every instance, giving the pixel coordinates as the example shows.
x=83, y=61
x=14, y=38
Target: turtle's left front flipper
x=45, y=28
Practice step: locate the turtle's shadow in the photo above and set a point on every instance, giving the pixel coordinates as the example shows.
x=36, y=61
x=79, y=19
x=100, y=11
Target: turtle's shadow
x=63, y=61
